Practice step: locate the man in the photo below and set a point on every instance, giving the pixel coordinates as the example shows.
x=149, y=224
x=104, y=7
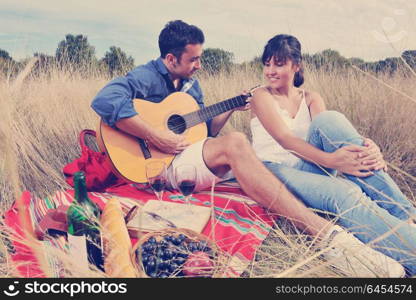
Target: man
x=180, y=57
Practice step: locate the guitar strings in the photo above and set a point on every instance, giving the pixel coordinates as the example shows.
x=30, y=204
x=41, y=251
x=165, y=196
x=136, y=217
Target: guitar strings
x=197, y=116
x=207, y=113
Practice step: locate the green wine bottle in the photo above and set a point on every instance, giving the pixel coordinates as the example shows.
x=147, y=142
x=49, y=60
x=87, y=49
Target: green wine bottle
x=82, y=217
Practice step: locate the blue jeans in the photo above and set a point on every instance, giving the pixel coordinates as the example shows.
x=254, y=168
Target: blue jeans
x=372, y=208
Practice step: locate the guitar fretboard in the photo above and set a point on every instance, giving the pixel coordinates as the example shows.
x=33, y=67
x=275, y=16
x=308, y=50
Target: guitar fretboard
x=209, y=112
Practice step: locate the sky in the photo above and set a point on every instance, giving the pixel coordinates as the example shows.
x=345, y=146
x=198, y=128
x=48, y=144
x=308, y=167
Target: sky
x=369, y=29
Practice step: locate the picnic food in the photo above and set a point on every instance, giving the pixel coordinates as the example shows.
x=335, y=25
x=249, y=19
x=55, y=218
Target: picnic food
x=117, y=244
x=176, y=253
x=53, y=222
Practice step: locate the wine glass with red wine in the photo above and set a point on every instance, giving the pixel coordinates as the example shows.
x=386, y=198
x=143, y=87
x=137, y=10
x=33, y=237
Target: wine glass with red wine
x=185, y=177
x=156, y=176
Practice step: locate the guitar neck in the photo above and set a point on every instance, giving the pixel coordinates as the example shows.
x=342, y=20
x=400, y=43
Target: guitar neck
x=210, y=112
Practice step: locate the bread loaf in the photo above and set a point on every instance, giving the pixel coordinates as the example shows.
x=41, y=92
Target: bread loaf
x=117, y=244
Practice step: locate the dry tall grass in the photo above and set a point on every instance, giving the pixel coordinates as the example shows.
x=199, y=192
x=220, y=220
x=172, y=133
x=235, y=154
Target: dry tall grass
x=41, y=118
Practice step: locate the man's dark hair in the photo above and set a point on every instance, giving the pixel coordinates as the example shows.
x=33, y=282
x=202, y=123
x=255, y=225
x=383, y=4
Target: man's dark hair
x=176, y=35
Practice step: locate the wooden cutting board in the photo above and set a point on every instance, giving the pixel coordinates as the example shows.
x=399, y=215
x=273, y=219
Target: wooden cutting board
x=158, y=215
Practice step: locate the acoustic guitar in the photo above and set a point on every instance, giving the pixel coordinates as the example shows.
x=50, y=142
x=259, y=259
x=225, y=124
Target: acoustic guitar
x=178, y=112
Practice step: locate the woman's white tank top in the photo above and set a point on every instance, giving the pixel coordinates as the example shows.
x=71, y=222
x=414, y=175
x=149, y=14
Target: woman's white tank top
x=267, y=148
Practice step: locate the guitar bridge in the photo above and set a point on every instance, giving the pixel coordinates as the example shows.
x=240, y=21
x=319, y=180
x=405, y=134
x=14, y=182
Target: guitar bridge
x=145, y=148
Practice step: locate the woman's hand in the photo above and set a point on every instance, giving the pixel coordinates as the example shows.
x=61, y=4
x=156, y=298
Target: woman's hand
x=373, y=156
x=348, y=160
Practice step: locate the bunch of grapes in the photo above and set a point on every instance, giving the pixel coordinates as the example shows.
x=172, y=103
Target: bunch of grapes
x=176, y=256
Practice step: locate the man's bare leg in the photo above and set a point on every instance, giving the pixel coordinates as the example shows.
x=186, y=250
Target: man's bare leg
x=234, y=151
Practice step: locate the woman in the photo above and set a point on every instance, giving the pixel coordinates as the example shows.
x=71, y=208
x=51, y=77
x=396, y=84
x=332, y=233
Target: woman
x=304, y=145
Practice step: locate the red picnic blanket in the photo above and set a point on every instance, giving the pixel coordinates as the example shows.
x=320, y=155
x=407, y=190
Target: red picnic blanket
x=239, y=225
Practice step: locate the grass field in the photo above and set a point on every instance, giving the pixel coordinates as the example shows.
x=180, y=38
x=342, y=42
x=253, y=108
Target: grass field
x=42, y=117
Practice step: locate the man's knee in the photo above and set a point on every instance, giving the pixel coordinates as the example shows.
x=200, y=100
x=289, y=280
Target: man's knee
x=224, y=148
x=236, y=142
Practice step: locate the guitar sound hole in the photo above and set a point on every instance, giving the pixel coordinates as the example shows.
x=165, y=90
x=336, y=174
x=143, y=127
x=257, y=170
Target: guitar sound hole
x=177, y=124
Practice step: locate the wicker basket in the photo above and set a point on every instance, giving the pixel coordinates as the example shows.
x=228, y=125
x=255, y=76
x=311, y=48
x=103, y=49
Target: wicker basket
x=219, y=257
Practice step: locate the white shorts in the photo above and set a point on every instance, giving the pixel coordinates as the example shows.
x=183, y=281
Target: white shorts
x=193, y=156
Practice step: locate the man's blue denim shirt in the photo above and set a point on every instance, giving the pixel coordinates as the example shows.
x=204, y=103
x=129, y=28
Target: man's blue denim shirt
x=148, y=82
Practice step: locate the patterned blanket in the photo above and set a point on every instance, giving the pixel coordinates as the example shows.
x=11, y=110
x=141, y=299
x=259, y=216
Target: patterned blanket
x=238, y=227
